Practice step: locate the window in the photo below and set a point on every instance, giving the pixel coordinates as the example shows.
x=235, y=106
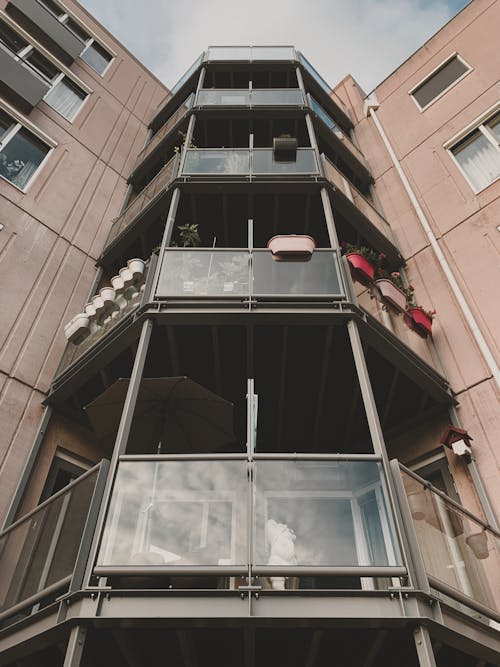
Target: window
x=439, y=81
x=21, y=152
x=66, y=97
x=97, y=57
x=22, y=50
x=64, y=469
x=478, y=154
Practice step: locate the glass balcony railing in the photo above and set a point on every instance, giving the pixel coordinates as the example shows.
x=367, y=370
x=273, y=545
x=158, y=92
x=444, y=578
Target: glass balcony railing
x=341, y=136
x=38, y=553
x=245, y=162
x=306, y=516
x=250, y=98
x=460, y=553
x=349, y=193
x=187, y=75
x=251, y=53
x=165, y=129
x=152, y=190
x=239, y=274
x=323, y=84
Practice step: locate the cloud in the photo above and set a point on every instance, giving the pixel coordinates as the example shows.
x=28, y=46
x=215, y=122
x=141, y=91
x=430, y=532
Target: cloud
x=366, y=38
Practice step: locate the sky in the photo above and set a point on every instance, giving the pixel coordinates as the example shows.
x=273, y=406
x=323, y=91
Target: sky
x=365, y=38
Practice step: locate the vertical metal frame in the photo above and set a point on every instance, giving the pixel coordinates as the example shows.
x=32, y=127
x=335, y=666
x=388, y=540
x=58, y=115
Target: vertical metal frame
x=76, y=644
x=424, y=647
x=121, y=438
x=187, y=142
x=167, y=236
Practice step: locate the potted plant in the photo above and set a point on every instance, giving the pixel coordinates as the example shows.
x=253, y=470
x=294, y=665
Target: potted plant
x=362, y=261
x=298, y=247
x=189, y=236
x=391, y=290
x=136, y=265
x=77, y=328
x=419, y=319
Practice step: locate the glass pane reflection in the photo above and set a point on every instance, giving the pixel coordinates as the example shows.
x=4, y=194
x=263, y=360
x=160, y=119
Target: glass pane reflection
x=177, y=513
x=322, y=513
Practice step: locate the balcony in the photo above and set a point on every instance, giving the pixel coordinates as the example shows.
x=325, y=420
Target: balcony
x=243, y=97
x=459, y=553
x=343, y=144
x=297, y=518
x=144, y=200
x=239, y=274
x=352, y=203
x=250, y=54
x=164, y=131
x=49, y=24
x=245, y=162
x=39, y=553
x=21, y=77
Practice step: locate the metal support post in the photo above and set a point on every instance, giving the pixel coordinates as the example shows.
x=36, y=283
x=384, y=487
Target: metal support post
x=424, y=647
x=167, y=234
x=300, y=81
x=28, y=467
x=187, y=141
x=330, y=220
x=75, y=647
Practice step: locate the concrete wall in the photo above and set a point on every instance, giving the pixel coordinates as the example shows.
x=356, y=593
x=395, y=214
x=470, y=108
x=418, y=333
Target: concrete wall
x=54, y=232
x=464, y=223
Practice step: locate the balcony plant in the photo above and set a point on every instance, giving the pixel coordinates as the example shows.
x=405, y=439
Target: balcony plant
x=362, y=261
x=389, y=289
x=418, y=318
x=292, y=247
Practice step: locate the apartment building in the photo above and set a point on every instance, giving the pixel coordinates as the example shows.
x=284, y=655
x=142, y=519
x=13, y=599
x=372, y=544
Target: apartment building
x=258, y=444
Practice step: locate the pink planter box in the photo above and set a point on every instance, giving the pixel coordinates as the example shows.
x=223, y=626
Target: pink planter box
x=419, y=322
x=391, y=294
x=292, y=247
x=361, y=268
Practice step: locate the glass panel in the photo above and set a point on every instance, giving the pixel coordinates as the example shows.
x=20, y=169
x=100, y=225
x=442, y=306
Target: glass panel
x=289, y=96
x=273, y=53
x=315, y=75
x=479, y=159
x=204, y=273
x=6, y=123
x=494, y=126
x=217, y=161
x=187, y=74
x=66, y=98
x=223, y=97
x=177, y=513
x=318, y=276
x=97, y=57
x=42, y=550
x=318, y=109
x=77, y=30
x=264, y=163
x=457, y=550
x=21, y=156
x=229, y=53
x=322, y=513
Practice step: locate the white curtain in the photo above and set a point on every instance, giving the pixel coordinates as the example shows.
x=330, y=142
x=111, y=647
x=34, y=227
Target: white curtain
x=65, y=98
x=480, y=160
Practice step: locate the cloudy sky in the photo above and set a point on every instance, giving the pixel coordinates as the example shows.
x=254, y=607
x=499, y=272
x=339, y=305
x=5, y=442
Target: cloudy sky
x=366, y=38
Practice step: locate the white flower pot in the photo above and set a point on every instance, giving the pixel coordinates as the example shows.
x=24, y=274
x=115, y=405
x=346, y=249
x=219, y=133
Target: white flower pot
x=117, y=283
x=107, y=294
x=98, y=304
x=478, y=542
x=136, y=266
x=89, y=308
x=77, y=328
x=126, y=275
x=391, y=294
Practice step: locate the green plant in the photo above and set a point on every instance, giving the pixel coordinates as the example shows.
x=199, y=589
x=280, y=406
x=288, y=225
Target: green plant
x=178, y=149
x=189, y=236
x=373, y=257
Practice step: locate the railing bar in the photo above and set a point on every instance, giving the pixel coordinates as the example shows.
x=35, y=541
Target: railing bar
x=465, y=599
x=311, y=570
x=135, y=570
x=361, y=571
x=318, y=457
x=53, y=498
x=183, y=457
x=449, y=500
x=33, y=599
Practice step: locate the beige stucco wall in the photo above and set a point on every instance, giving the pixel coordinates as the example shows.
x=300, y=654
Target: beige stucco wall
x=464, y=223
x=54, y=232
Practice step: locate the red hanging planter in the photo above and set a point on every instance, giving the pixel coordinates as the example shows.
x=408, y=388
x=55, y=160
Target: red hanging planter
x=418, y=320
x=361, y=268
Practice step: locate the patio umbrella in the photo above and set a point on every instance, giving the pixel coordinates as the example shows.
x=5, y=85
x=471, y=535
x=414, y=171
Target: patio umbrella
x=172, y=415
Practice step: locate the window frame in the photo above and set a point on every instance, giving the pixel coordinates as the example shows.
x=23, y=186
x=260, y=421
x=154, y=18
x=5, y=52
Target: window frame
x=17, y=125
x=429, y=76
x=56, y=81
x=479, y=124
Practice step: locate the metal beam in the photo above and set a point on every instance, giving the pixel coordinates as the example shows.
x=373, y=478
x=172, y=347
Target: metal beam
x=424, y=647
x=76, y=644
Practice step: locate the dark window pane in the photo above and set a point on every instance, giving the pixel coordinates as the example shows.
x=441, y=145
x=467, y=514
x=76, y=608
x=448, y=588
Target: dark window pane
x=66, y=98
x=52, y=7
x=439, y=81
x=21, y=156
x=77, y=30
x=6, y=123
x=42, y=65
x=11, y=39
x=97, y=57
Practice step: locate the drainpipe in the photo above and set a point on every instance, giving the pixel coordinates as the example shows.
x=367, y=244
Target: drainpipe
x=370, y=107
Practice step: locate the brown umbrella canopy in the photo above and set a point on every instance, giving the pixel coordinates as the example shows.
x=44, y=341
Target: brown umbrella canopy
x=172, y=415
